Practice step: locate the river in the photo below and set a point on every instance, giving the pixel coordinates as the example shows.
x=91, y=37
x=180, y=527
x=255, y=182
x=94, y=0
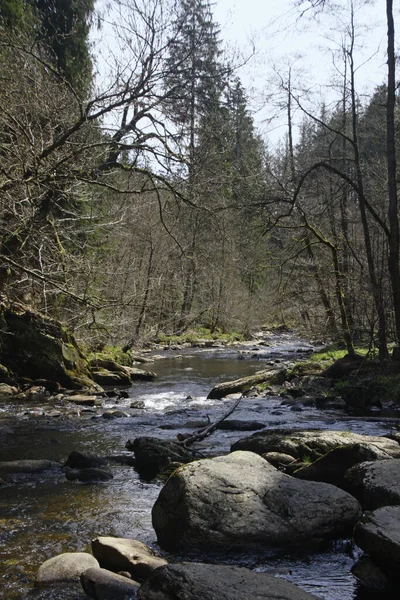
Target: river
x=45, y=515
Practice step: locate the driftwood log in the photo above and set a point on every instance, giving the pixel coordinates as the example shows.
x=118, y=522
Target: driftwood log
x=204, y=432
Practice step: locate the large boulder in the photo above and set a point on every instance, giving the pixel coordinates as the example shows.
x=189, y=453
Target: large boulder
x=35, y=346
x=124, y=554
x=375, y=484
x=311, y=444
x=269, y=376
x=242, y=500
x=64, y=567
x=197, y=581
x=378, y=534
x=153, y=455
x=101, y=584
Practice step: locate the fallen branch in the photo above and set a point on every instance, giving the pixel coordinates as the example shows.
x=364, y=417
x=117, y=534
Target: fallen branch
x=200, y=434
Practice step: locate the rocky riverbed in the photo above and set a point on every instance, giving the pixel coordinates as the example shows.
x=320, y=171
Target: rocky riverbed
x=59, y=506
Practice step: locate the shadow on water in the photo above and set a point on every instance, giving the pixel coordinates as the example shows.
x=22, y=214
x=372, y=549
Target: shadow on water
x=45, y=515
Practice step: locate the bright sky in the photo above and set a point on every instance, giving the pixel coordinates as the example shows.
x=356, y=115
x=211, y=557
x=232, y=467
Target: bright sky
x=281, y=38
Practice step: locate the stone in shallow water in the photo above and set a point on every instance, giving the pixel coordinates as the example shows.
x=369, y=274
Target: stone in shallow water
x=124, y=554
x=64, y=567
x=89, y=475
x=13, y=467
x=378, y=534
x=197, y=581
x=105, y=585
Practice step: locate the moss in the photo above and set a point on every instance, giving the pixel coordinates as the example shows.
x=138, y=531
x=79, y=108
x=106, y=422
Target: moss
x=114, y=353
x=35, y=346
x=200, y=334
x=332, y=353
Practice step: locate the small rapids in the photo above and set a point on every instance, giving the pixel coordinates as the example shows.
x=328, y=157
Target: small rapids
x=44, y=515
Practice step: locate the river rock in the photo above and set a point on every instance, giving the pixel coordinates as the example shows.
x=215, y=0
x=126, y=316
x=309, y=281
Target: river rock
x=197, y=581
x=242, y=500
x=269, y=376
x=79, y=460
x=104, y=377
x=64, y=567
x=237, y=425
x=378, y=534
x=332, y=467
x=140, y=375
x=7, y=390
x=154, y=455
x=280, y=461
x=89, y=475
x=375, y=484
x=105, y=585
x=115, y=414
x=369, y=575
x=85, y=400
x=102, y=367
x=310, y=444
x=14, y=467
x=122, y=554
x=138, y=404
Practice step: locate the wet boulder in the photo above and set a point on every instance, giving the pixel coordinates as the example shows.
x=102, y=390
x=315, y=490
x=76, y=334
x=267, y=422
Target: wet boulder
x=198, y=581
x=241, y=500
x=153, y=455
x=109, y=372
x=375, y=484
x=10, y=470
x=124, y=554
x=106, y=585
x=7, y=390
x=64, y=567
x=332, y=467
x=79, y=460
x=269, y=376
x=281, y=461
x=105, y=377
x=88, y=475
x=370, y=576
x=85, y=399
x=311, y=444
x=238, y=425
x=378, y=534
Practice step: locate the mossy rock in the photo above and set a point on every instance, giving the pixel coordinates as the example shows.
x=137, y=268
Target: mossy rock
x=35, y=346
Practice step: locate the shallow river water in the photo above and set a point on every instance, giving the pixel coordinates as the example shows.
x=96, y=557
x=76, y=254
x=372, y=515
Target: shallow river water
x=45, y=515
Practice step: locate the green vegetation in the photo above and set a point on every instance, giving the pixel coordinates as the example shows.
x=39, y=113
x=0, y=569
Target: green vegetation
x=201, y=334
x=332, y=353
x=114, y=353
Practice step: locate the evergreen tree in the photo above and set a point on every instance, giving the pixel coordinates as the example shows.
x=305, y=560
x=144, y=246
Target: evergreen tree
x=64, y=29
x=194, y=79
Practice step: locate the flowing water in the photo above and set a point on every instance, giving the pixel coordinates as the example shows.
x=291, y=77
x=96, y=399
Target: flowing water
x=44, y=515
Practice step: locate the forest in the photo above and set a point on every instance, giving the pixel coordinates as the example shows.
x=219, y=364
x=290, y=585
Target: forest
x=138, y=197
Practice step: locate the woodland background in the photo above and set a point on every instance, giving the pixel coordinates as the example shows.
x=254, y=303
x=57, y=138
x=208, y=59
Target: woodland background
x=138, y=198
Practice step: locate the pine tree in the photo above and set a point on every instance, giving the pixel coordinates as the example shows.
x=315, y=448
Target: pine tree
x=64, y=29
x=194, y=75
